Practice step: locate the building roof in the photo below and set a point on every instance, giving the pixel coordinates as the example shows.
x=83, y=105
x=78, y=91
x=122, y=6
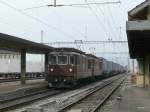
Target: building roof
x=12, y=43
x=139, y=12
x=138, y=31
x=8, y=52
x=139, y=43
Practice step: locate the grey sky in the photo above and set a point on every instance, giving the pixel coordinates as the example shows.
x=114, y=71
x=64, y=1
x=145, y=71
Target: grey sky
x=69, y=22
x=65, y=23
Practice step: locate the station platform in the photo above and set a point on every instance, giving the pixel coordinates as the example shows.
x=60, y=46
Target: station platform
x=133, y=99
x=8, y=87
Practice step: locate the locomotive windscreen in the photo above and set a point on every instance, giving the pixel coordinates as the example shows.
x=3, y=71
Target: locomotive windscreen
x=57, y=59
x=62, y=60
x=72, y=60
x=52, y=60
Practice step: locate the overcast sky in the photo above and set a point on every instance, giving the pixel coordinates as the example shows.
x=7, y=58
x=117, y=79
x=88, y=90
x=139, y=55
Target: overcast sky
x=65, y=23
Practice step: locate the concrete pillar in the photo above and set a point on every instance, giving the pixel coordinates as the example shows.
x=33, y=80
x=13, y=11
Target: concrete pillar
x=23, y=67
x=140, y=82
x=148, y=13
x=141, y=66
x=147, y=70
x=46, y=63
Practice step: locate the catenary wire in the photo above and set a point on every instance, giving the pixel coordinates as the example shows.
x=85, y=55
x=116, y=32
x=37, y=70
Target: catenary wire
x=38, y=20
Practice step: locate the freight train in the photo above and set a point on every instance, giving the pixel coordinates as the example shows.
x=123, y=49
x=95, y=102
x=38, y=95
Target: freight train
x=69, y=66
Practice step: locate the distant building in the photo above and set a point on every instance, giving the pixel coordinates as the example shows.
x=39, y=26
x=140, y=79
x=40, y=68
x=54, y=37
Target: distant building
x=10, y=62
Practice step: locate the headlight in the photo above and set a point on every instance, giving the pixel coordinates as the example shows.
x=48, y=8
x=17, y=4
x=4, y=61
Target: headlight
x=70, y=69
x=64, y=80
x=51, y=69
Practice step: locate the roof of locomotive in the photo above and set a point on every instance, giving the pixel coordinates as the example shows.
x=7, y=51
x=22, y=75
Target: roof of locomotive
x=93, y=56
x=66, y=49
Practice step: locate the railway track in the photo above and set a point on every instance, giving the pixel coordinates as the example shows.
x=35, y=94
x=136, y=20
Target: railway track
x=83, y=102
x=13, y=80
x=93, y=101
x=12, y=104
x=11, y=77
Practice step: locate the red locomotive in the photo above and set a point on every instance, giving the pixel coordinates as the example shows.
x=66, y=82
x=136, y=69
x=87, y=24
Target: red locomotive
x=68, y=66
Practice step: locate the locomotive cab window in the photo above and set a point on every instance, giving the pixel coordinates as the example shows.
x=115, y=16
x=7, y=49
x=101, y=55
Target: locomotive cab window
x=62, y=60
x=72, y=60
x=52, y=60
x=89, y=64
x=100, y=65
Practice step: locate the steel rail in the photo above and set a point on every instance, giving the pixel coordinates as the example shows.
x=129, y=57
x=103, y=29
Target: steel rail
x=86, y=96
x=14, y=80
x=13, y=104
x=107, y=97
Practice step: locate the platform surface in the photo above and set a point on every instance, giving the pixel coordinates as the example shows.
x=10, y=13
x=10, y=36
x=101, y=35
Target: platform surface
x=13, y=86
x=133, y=99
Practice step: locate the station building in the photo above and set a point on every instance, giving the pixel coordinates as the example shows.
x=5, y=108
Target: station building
x=138, y=34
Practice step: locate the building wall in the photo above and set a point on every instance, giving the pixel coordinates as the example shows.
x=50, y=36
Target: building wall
x=11, y=63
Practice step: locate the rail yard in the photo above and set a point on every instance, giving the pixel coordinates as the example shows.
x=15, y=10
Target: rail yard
x=59, y=100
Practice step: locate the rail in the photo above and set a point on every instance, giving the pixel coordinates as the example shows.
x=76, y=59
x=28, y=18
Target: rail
x=27, y=99
x=11, y=77
x=91, y=99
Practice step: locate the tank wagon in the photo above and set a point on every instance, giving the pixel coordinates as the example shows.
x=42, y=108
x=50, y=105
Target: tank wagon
x=69, y=66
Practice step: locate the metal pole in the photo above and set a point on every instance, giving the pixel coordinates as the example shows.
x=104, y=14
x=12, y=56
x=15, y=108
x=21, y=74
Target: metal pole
x=42, y=36
x=23, y=67
x=54, y=3
x=133, y=65
x=42, y=58
x=46, y=63
x=128, y=67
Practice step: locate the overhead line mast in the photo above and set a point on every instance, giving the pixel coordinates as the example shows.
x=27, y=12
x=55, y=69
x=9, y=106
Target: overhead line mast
x=54, y=3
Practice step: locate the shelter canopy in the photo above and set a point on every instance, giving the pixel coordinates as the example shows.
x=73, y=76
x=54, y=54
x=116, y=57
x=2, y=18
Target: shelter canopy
x=12, y=43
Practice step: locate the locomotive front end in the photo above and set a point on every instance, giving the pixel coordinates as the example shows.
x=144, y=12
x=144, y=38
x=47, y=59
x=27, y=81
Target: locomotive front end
x=61, y=70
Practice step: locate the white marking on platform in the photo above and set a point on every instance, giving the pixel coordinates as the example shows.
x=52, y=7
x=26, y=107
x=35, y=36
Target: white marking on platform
x=140, y=107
